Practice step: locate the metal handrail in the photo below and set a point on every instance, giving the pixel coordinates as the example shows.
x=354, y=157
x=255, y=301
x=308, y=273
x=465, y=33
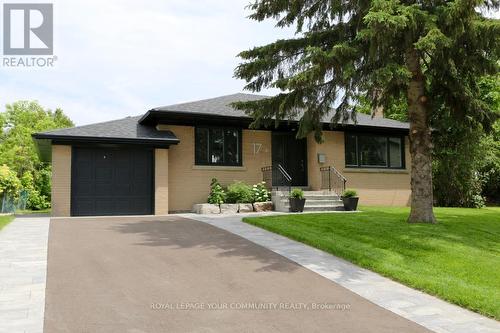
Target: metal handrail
x=284, y=173
x=332, y=180
x=274, y=172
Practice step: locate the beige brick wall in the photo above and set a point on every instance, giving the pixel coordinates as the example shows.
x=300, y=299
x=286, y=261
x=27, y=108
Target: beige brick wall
x=313, y=174
x=179, y=183
x=161, y=181
x=61, y=180
x=189, y=184
x=374, y=186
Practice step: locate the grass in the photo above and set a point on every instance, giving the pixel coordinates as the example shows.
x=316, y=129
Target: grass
x=5, y=219
x=457, y=259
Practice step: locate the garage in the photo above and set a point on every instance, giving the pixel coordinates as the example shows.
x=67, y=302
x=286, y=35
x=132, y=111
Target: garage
x=112, y=181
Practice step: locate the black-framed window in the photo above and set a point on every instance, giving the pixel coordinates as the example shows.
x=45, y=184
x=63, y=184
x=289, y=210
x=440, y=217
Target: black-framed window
x=374, y=151
x=218, y=146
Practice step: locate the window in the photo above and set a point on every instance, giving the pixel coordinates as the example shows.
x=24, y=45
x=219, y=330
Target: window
x=374, y=151
x=217, y=146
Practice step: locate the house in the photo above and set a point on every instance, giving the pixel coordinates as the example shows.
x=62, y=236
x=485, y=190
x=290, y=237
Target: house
x=164, y=160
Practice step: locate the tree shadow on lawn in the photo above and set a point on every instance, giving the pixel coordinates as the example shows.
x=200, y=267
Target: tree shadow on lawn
x=480, y=233
x=181, y=233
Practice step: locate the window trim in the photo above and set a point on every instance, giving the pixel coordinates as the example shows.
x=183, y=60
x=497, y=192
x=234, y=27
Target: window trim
x=239, y=147
x=388, y=151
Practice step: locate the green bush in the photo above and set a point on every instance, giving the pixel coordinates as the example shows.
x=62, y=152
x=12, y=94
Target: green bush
x=42, y=180
x=36, y=199
x=489, y=172
x=297, y=193
x=9, y=183
x=217, y=194
x=239, y=192
x=260, y=192
x=349, y=193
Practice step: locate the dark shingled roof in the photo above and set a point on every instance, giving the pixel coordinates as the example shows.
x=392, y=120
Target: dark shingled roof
x=142, y=129
x=221, y=106
x=125, y=129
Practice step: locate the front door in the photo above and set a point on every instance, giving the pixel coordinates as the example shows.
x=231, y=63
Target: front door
x=291, y=153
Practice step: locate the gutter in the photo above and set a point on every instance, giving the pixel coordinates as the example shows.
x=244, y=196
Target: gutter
x=98, y=139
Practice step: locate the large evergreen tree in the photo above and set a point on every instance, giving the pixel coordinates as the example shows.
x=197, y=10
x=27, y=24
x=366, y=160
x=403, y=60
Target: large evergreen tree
x=431, y=52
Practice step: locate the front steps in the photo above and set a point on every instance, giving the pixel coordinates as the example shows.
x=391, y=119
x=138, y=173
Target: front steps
x=316, y=201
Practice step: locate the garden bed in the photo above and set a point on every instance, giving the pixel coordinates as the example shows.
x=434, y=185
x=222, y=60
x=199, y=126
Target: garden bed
x=238, y=197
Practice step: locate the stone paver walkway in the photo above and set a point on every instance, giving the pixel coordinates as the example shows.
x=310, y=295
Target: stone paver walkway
x=426, y=310
x=23, y=269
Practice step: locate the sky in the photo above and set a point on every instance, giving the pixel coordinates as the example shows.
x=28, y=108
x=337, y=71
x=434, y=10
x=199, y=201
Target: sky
x=119, y=58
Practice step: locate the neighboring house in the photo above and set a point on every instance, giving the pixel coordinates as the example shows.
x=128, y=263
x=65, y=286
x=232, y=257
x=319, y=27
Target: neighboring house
x=164, y=161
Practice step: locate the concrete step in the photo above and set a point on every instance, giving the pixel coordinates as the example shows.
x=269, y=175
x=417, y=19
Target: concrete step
x=316, y=208
x=315, y=201
x=323, y=208
x=329, y=208
x=317, y=192
x=314, y=195
x=323, y=202
x=310, y=202
x=322, y=197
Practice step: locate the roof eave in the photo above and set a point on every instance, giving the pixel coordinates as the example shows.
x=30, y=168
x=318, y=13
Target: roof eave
x=154, y=117
x=144, y=117
x=110, y=140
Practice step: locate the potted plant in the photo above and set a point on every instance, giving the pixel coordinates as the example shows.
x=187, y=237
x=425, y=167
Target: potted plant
x=350, y=199
x=297, y=200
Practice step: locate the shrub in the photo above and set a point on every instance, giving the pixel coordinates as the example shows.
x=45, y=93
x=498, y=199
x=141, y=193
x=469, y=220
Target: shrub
x=42, y=180
x=477, y=201
x=217, y=194
x=239, y=192
x=297, y=193
x=349, y=193
x=37, y=200
x=9, y=183
x=260, y=192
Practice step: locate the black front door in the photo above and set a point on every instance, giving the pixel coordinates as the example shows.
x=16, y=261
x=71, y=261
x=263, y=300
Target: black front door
x=112, y=181
x=291, y=153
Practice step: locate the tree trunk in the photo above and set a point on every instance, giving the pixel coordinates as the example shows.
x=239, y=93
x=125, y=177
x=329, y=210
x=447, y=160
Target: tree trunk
x=420, y=144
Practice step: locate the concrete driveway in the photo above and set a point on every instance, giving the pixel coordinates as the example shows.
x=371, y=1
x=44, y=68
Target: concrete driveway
x=173, y=274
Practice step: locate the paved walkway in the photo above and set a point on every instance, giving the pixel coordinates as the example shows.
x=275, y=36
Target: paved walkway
x=426, y=310
x=23, y=267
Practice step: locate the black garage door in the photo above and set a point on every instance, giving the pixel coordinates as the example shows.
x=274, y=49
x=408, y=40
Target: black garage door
x=111, y=181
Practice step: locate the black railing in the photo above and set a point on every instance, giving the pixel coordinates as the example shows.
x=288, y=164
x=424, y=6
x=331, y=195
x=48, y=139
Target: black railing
x=332, y=180
x=275, y=176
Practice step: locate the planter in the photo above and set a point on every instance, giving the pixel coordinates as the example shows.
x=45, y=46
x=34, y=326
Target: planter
x=297, y=205
x=350, y=203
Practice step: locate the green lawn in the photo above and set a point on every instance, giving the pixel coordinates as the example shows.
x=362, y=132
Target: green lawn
x=457, y=259
x=5, y=219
